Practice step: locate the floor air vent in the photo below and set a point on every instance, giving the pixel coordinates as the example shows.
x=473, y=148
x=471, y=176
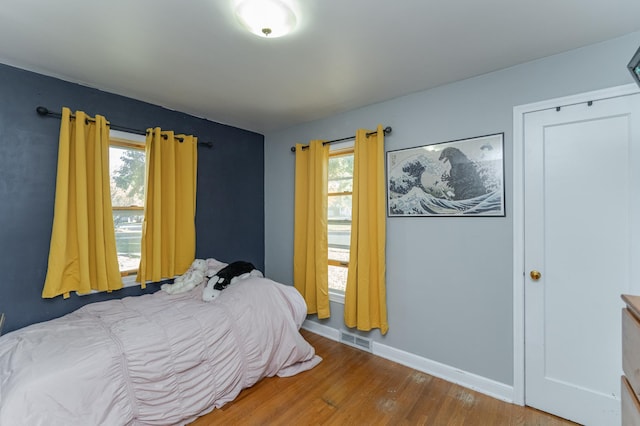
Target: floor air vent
x=355, y=341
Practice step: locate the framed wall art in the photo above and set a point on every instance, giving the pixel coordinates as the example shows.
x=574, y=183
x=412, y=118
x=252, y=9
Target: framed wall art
x=456, y=178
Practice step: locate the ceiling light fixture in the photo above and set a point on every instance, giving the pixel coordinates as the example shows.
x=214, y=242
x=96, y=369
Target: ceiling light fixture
x=266, y=18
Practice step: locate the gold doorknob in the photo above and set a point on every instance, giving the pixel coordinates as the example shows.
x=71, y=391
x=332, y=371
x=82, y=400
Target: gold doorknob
x=535, y=275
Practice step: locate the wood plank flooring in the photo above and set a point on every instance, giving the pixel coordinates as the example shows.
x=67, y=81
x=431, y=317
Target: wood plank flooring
x=353, y=387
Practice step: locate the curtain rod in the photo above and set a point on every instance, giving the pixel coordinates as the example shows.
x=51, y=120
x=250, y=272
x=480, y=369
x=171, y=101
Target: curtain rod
x=386, y=131
x=45, y=112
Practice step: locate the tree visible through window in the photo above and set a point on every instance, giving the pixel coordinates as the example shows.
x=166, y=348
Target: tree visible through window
x=339, y=216
x=127, y=171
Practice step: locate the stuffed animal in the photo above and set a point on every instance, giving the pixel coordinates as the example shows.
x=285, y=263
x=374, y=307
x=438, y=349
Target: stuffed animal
x=193, y=277
x=213, y=266
x=228, y=275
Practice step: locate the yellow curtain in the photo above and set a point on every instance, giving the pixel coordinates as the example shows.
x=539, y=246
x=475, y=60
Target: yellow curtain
x=310, y=257
x=169, y=230
x=82, y=254
x=365, y=305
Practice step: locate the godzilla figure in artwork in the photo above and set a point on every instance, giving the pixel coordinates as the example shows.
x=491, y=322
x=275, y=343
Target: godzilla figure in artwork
x=463, y=178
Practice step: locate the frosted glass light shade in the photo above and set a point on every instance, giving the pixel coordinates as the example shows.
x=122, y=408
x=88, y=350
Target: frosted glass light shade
x=266, y=18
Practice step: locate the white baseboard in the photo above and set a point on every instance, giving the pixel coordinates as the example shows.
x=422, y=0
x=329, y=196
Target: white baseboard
x=322, y=330
x=468, y=380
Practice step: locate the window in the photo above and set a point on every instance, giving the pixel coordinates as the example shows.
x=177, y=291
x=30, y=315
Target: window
x=339, y=217
x=127, y=173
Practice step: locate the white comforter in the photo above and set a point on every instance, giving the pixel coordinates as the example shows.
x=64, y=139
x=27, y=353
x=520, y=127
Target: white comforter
x=152, y=360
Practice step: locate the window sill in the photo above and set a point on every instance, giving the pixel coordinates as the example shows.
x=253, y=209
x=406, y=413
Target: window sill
x=127, y=281
x=336, y=296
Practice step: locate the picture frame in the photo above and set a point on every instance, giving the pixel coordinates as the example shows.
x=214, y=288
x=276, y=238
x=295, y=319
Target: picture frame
x=463, y=177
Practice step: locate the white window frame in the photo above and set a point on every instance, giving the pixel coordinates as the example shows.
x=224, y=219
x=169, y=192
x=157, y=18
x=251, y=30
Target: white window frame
x=336, y=295
x=128, y=280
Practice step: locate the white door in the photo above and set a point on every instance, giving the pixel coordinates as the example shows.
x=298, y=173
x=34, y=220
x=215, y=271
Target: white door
x=581, y=225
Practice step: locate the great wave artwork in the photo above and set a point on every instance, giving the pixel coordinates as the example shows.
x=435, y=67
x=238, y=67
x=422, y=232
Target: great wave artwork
x=456, y=178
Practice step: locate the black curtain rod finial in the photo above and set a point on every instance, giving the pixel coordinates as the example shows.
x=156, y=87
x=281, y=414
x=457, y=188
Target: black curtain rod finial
x=42, y=110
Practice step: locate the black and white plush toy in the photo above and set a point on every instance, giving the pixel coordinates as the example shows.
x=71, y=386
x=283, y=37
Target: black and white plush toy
x=228, y=275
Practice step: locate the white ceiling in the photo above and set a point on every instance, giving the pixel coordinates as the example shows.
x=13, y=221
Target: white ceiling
x=194, y=57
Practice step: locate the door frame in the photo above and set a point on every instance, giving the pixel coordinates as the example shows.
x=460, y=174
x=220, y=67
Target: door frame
x=519, y=274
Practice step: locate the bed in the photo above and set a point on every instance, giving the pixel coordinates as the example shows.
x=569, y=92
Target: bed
x=155, y=359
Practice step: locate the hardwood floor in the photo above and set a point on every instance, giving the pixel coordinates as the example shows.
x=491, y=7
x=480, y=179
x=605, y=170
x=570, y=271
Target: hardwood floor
x=353, y=387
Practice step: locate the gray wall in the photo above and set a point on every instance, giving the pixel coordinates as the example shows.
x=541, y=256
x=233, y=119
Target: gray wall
x=449, y=280
x=230, y=193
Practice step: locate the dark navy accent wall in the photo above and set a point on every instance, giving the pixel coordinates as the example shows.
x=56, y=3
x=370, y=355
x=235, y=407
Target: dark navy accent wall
x=230, y=197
